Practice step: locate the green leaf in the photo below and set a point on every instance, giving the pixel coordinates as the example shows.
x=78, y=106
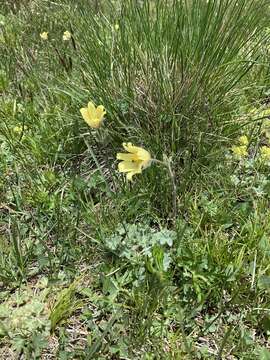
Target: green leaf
x=264, y=282
x=264, y=354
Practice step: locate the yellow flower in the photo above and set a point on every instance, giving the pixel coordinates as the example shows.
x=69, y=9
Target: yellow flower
x=44, y=35
x=92, y=115
x=116, y=27
x=265, y=152
x=240, y=151
x=66, y=36
x=134, y=162
x=243, y=140
x=19, y=129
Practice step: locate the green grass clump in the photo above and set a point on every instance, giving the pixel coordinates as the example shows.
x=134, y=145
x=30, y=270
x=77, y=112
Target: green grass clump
x=170, y=71
x=175, y=264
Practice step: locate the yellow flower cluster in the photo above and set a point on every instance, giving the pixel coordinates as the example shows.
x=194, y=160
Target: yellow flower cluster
x=241, y=150
x=265, y=153
x=135, y=160
x=243, y=140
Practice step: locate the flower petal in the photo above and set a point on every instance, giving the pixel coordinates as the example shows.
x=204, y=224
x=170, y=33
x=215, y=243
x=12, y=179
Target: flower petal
x=85, y=114
x=92, y=122
x=100, y=111
x=95, y=123
x=131, y=148
x=144, y=155
x=126, y=157
x=126, y=166
x=92, y=109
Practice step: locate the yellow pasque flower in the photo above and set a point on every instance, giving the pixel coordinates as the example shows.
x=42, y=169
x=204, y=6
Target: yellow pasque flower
x=134, y=162
x=92, y=115
x=66, y=36
x=265, y=152
x=44, y=35
x=243, y=140
x=240, y=151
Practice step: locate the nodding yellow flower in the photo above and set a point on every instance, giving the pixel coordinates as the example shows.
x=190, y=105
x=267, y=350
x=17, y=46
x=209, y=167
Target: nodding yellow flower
x=243, y=140
x=240, y=151
x=134, y=162
x=265, y=152
x=44, y=35
x=92, y=115
x=66, y=36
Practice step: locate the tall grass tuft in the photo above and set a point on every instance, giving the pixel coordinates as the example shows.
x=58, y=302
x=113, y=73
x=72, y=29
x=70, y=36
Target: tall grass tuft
x=167, y=70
